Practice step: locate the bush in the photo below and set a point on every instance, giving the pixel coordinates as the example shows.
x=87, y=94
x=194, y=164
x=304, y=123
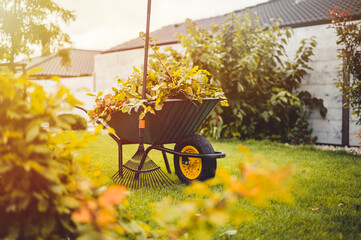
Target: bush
x=301, y=133
x=45, y=192
x=75, y=121
x=37, y=172
x=251, y=65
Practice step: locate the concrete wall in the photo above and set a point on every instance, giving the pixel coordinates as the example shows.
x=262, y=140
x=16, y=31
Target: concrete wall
x=319, y=82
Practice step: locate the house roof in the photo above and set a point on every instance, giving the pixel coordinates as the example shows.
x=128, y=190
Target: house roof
x=82, y=64
x=294, y=13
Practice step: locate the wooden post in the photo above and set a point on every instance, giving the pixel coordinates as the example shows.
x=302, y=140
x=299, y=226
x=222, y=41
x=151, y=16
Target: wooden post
x=345, y=105
x=345, y=121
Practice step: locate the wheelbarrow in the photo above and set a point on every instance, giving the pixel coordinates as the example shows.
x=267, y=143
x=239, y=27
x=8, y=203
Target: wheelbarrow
x=176, y=122
x=194, y=157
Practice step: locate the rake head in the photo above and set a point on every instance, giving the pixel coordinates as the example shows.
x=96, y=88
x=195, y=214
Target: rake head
x=149, y=176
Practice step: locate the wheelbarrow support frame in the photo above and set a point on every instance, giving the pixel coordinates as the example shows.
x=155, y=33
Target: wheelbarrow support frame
x=161, y=148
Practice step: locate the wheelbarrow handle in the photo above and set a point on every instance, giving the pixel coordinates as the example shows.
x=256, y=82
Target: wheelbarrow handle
x=105, y=126
x=81, y=108
x=86, y=111
x=97, y=121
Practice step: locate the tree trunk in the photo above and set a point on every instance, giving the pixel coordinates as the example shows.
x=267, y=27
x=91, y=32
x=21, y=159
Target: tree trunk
x=13, y=42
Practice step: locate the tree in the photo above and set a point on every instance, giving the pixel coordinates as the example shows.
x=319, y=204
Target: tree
x=250, y=63
x=349, y=39
x=26, y=24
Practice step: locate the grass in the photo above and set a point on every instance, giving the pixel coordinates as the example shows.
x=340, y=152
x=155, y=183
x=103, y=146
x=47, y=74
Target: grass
x=327, y=190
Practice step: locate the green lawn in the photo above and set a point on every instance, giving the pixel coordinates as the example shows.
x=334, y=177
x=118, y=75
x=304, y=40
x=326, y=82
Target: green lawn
x=327, y=190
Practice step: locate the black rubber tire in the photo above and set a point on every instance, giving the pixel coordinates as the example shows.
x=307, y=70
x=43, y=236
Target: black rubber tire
x=203, y=146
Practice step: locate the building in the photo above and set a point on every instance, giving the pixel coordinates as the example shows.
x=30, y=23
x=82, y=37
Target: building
x=306, y=17
x=79, y=76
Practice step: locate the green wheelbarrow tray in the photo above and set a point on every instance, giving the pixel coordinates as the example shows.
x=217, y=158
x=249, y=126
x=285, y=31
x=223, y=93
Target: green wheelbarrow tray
x=177, y=119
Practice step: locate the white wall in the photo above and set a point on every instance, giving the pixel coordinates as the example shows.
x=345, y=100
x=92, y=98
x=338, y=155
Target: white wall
x=319, y=82
x=108, y=67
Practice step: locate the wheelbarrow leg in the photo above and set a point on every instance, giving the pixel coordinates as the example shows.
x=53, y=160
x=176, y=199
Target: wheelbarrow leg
x=145, y=153
x=166, y=160
x=120, y=159
x=118, y=175
x=159, y=178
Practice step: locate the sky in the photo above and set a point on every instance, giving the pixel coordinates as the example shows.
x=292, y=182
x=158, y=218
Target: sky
x=102, y=24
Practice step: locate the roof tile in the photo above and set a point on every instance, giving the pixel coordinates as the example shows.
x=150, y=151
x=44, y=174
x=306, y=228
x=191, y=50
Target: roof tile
x=82, y=63
x=294, y=13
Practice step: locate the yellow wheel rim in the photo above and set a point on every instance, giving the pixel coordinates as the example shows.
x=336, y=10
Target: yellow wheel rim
x=193, y=168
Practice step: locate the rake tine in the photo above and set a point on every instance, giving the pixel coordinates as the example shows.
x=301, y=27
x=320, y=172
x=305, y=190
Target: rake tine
x=136, y=184
x=153, y=184
x=146, y=180
x=128, y=180
x=140, y=171
x=123, y=179
x=114, y=176
x=153, y=181
x=161, y=180
x=150, y=181
x=156, y=176
x=115, y=179
x=165, y=180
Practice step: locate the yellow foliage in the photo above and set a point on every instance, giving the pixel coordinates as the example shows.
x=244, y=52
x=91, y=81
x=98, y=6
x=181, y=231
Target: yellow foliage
x=209, y=209
x=105, y=216
x=198, y=189
x=33, y=71
x=37, y=149
x=112, y=196
x=82, y=215
x=243, y=149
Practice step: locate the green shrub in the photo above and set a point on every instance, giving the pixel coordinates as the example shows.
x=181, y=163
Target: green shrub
x=301, y=133
x=250, y=64
x=75, y=121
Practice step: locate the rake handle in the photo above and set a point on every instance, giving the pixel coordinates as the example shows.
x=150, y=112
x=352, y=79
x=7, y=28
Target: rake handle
x=145, y=66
